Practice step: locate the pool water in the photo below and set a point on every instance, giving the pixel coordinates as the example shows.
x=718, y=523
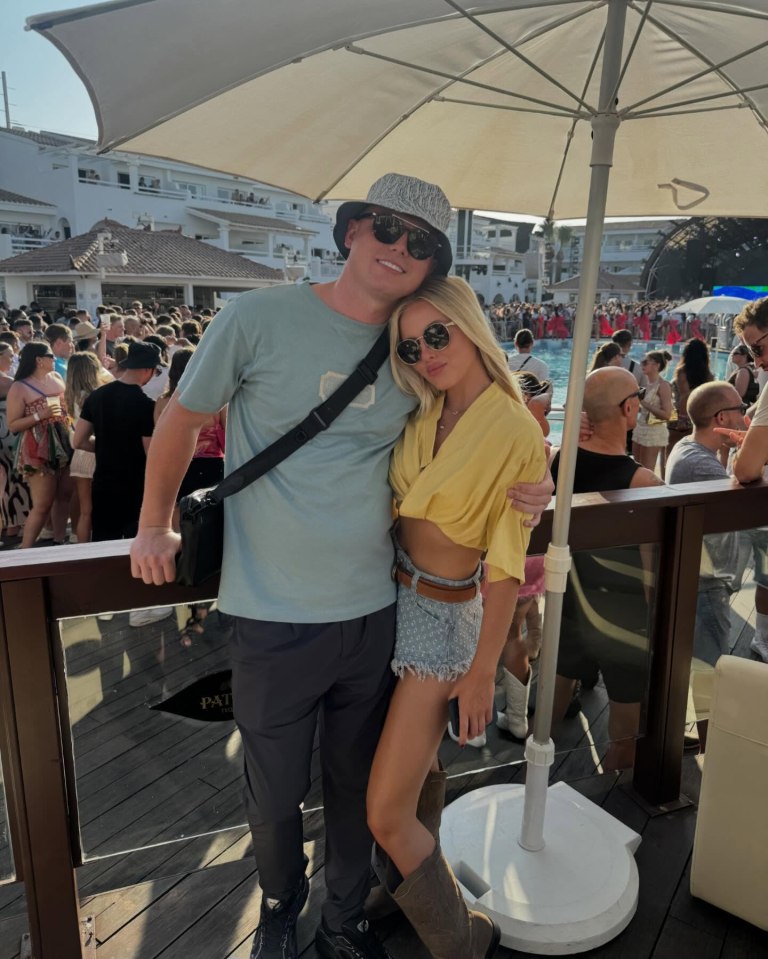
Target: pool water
x=557, y=355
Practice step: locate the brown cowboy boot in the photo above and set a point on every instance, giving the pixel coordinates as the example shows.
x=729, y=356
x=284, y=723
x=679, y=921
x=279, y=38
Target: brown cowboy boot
x=431, y=900
x=429, y=812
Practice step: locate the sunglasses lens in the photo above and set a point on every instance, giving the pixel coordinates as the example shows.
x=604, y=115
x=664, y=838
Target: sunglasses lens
x=436, y=336
x=387, y=229
x=421, y=245
x=409, y=351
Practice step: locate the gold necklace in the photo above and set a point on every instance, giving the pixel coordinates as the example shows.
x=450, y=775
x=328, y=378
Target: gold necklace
x=456, y=413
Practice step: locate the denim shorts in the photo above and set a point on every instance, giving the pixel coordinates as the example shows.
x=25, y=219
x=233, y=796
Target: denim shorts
x=435, y=638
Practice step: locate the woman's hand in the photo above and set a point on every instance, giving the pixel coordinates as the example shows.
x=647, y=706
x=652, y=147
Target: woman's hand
x=475, y=695
x=51, y=411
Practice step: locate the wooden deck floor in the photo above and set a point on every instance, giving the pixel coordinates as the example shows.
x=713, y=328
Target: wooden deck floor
x=146, y=779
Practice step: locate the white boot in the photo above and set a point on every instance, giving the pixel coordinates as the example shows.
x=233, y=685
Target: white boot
x=514, y=719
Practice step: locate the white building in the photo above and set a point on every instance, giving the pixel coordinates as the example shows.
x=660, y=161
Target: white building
x=65, y=188
x=625, y=247
x=487, y=258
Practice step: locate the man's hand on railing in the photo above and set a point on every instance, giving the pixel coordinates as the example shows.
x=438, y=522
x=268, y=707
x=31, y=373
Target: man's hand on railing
x=153, y=555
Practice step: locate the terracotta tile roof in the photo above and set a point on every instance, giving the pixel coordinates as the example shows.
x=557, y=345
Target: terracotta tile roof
x=7, y=197
x=247, y=219
x=161, y=253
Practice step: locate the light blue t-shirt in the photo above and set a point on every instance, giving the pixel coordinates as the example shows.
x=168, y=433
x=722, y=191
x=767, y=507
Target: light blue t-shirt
x=307, y=542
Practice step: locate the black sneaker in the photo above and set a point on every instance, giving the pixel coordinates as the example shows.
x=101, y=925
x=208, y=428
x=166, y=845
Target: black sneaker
x=355, y=941
x=276, y=933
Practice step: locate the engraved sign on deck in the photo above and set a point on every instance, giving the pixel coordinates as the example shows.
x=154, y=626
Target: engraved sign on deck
x=208, y=698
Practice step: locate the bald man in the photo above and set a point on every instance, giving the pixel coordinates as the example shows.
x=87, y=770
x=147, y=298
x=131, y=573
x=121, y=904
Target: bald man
x=717, y=412
x=608, y=586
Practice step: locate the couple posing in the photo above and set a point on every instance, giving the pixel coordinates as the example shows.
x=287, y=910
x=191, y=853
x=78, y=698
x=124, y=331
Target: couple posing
x=308, y=565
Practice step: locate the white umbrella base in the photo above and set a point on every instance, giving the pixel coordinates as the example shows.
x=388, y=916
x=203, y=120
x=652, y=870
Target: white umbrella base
x=577, y=893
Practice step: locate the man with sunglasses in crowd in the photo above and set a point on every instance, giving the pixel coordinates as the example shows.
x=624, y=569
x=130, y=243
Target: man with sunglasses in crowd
x=307, y=554
x=606, y=586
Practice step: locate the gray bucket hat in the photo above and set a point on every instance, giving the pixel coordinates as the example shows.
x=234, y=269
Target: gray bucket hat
x=407, y=195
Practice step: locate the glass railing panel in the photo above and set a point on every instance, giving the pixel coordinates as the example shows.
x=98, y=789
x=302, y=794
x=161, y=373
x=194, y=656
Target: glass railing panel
x=157, y=757
x=7, y=870
x=605, y=642
x=731, y=614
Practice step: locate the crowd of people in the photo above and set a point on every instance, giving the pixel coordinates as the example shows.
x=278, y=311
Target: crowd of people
x=644, y=319
x=116, y=415
x=61, y=478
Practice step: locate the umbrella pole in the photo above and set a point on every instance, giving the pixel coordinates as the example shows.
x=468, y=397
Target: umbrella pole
x=540, y=748
x=582, y=890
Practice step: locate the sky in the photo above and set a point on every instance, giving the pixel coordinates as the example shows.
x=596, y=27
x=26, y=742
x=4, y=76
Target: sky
x=44, y=91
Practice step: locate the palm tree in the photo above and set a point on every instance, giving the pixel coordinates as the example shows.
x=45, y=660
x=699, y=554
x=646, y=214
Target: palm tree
x=557, y=238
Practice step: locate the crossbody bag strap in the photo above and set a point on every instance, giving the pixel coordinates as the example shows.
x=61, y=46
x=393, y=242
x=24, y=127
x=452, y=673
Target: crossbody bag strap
x=319, y=419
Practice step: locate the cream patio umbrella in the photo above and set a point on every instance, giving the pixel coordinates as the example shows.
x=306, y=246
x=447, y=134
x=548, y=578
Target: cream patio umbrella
x=505, y=105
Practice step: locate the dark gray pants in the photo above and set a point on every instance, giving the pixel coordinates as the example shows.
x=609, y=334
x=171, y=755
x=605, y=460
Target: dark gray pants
x=284, y=677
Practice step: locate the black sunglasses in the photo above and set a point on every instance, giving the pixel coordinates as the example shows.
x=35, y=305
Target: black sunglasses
x=754, y=349
x=436, y=336
x=741, y=408
x=46, y=356
x=638, y=393
x=388, y=228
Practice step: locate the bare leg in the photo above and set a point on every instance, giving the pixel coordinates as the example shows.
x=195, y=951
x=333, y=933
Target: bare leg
x=43, y=489
x=761, y=599
x=60, y=508
x=564, y=688
x=514, y=656
x=646, y=455
x=623, y=726
x=86, y=509
x=405, y=754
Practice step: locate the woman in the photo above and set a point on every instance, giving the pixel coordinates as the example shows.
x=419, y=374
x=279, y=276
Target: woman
x=609, y=354
x=692, y=370
x=470, y=439
x=743, y=378
x=36, y=410
x=649, y=437
x=206, y=469
x=15, y=499
x=84, y=375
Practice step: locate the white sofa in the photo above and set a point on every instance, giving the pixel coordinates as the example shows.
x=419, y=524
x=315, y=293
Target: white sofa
x=730, y=852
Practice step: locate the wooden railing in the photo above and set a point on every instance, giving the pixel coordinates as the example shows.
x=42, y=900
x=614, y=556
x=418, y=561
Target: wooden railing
x=39, y=587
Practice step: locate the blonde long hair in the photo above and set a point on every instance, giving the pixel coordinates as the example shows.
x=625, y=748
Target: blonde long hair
x=84, y=375
x=457, y=301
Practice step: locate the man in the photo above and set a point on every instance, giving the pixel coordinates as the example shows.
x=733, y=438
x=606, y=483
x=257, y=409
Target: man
x=62, y=346
x=115, y=330
x=711, y=407
x=311, y=638
x=24, y=330
x=623, y=339
x=121, y=418
x=752, y=454
x=523, y=360
x=607, y=586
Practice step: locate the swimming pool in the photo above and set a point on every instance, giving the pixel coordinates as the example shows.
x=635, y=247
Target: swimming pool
x=557, y=355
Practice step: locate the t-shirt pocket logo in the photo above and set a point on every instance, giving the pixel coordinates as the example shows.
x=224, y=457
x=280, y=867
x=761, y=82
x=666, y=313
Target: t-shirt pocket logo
x=330, y=382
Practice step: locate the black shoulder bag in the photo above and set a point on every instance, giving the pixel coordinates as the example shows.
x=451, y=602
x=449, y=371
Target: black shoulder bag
x=202, y=512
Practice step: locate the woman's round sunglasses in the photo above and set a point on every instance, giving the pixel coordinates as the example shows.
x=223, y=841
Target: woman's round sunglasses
x=436, y=336
x=388, y=228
